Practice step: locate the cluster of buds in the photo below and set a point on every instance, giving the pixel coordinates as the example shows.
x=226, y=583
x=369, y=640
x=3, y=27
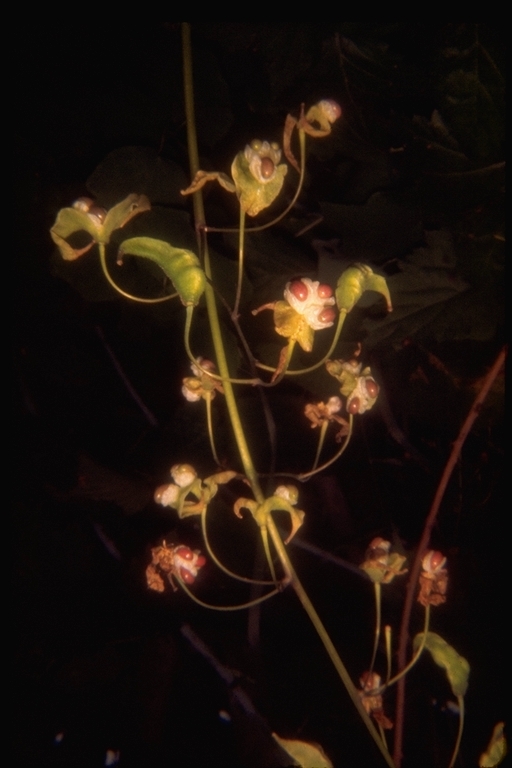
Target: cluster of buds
x=188, y=494
x=174, y=561
x=357, y=384
x=322, y=413
x=381, y=564
x=312, y=300
x=201, y=384
x=433, y=579
x=372, y=701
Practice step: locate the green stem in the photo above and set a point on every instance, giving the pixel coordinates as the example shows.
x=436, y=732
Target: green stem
x=240, y=607
x=211, y=305
x=103, y=262
x=321, y=440
x=240, y=262
x=243, y=448
x=326, y=640
x=266, y=549
x=387, y=638
x=220, y=565
x=208, y=398
x=377, y=590
x=460, y=702
x=186, y=341
x=416, y=656
x=306, y=475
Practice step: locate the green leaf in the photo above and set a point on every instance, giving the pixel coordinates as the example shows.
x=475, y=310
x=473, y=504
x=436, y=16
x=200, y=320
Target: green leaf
x=69, y=221
x=179, y=264
x=121, y=214
x=305, y=755
x=354, y=281
x=456, y=667
x=496, y=749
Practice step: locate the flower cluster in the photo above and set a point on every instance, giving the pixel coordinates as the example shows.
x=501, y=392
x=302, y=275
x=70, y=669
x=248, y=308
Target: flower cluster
x=201, y=384
x=433, y=579
x=381, y=564
x=312, y=300
x=357, y=384
x=174, y=561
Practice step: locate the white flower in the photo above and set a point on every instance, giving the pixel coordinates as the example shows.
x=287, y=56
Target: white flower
x=311, y=300
x=183, y=474
x=189, y=394
x=167, y=495
x=333, y=405
x=287, y=492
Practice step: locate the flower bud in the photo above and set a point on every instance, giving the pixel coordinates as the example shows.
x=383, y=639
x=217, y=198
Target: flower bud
x=433, y=562
x=183, y=474
x=287, y=492
x=331, y=109
x=333, y=405
x=167, y=495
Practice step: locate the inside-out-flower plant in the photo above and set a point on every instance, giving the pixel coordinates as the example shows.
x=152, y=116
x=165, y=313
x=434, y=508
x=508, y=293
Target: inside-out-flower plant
x=305, y=308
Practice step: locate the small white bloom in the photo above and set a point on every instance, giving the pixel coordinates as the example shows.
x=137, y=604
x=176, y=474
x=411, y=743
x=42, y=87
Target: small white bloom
x=167, y=495
x=333, y=405
x=287, y=492
x=183, y=474
x=189, y=395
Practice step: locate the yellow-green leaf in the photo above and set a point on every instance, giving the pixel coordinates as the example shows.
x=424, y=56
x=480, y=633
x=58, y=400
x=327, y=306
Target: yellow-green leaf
x=496, y=749
x=122, y=213
x=180, y=265
x=304, y=754
x=354, y=281
x=456, y=666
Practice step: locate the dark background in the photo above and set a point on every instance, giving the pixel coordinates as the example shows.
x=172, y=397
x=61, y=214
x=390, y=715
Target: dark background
x=410, y=182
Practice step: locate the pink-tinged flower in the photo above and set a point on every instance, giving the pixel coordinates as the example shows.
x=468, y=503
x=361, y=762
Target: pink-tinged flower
x=312, y=300
x=433, y=579
x=174, y=561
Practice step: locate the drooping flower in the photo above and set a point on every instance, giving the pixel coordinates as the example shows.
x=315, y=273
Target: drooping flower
x=372, y=702
x=433, y=579
x=320, y=413
x=201, y=384
x=381, y=564
x=174, y=561
x=357, y=384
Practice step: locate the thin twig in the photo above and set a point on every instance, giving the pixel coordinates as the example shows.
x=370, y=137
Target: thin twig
x=424, y=542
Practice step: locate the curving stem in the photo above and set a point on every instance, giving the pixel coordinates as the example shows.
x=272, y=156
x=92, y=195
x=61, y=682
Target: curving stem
x=238, y=431
x=111, y=281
